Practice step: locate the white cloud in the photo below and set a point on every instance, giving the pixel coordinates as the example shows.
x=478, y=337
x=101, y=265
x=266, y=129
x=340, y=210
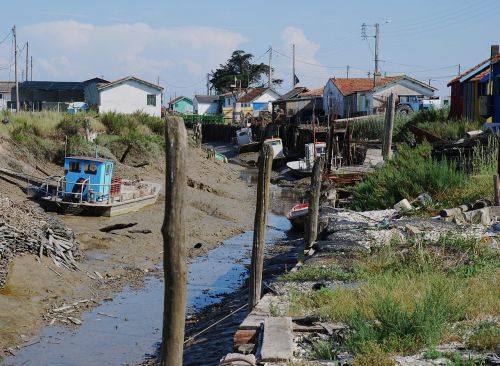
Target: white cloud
x=306, y=65
x=72, y=50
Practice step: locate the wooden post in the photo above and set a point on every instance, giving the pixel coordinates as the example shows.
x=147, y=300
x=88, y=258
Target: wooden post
x=174, y=249
x=259, y=233
x=330, y=142
x=496, y=189
x=388, y=127
x=312, y=227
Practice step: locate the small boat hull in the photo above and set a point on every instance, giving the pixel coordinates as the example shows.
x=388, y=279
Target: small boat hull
x=298, y=216
x=299, y=169
x=250, y=147
x=106, y=209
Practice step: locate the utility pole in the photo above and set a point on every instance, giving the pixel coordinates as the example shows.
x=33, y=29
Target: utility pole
x=15, y=67
x=347, y=71
x=377, y=36
x=208, y=83
x=293, y=66
x=270, y=82
x=458, y=69
x=27, y=58
x=31, y=71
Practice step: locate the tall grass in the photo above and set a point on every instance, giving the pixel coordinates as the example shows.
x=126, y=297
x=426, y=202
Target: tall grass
x=410, y=173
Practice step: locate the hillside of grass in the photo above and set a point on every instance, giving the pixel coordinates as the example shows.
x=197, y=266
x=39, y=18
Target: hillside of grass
x=132, y=138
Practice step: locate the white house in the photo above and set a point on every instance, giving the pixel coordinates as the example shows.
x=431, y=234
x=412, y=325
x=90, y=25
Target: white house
x=256, y=100
x=129, y=95
x=206, y=104
x=347, y=97
x=5, y=94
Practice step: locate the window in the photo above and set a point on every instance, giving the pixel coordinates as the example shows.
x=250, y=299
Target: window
x=90, y=169
x=151, y=99
x=1, y=96
x=74, y=167
x=108, y=169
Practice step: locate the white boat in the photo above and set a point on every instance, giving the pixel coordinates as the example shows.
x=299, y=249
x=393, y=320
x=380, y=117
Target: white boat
x=298, y=215
x=245, y=141
x=303, y=168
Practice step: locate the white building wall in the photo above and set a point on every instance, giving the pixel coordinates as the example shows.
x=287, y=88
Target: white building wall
x=401, y=87
x=268, y=97
x=333, y=100
x=4, y=99
x=128, y=97
x=205, y=108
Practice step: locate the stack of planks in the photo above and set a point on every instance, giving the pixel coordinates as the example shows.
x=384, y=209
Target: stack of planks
x=26, y=229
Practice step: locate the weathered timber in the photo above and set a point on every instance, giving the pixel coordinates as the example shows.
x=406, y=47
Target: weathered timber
x=277, y=344
x=110, y=228
x=261, y=210
x=388, y=127
x=313, y=212
x=174, y=248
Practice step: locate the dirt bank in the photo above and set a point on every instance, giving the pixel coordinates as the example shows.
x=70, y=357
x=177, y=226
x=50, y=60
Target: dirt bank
x=220, y=205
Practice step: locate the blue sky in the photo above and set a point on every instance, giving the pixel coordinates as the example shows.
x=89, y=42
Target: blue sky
x=180, y=42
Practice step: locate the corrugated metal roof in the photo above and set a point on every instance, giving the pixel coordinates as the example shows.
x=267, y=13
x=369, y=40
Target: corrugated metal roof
x=318, y=92
x=295, y=92
x=52, y=85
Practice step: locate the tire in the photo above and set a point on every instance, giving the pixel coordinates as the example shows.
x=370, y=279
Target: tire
x=404, y=109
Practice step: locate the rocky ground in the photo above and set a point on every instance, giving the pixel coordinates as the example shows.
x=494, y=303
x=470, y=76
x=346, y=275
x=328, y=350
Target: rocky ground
x=37, y=293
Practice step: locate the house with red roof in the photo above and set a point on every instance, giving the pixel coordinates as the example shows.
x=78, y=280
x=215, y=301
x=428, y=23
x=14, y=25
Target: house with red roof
x=130, y=94
x=255, y=101
x=471, y=94
x=349, y=97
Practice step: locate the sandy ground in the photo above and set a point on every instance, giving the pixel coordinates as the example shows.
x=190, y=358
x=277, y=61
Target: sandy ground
x=220, y=205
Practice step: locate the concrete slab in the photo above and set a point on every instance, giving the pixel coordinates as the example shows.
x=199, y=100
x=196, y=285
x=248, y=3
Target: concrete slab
x=277, y=344
x=237, y=359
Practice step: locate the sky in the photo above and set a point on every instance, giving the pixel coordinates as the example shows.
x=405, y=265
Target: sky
x=179, y=42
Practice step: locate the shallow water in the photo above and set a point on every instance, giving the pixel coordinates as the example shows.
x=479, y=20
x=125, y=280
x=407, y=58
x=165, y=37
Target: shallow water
x=135, y=328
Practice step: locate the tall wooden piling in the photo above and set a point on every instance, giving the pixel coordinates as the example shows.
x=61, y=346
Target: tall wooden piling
x=312, y=223
x=496, y=177
x=388, y=127
x=259, y=233
x=174, y=249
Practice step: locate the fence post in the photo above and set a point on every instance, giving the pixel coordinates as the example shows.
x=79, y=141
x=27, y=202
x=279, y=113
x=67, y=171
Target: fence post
x=174, y=250
x=312, y=227
x=259, y=233
x=388, y=127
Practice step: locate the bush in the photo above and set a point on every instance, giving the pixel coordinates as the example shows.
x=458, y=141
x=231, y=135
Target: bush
x=409, y=173
x=486, y=337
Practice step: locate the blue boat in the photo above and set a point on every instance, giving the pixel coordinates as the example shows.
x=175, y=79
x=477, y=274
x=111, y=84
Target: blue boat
x=88, y=186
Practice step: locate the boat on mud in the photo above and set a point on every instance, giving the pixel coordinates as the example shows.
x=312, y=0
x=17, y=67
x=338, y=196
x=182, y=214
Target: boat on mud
x=244, y=138
x=279, y=157
x=303, y=168
x=88, y=187
x=298, y=215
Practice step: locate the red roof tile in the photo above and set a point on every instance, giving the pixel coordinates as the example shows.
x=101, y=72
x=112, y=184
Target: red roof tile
x=352, y=85
x=481, y=74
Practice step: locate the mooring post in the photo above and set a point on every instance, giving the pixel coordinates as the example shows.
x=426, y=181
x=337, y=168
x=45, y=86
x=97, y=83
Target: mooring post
x=496, y=177
x=259, y=233
x=313, y=212
x=174, y=249
x=388, y=127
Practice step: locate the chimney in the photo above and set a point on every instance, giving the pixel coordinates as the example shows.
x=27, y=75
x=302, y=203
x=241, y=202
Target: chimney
x=377, y=79
x=494, y=50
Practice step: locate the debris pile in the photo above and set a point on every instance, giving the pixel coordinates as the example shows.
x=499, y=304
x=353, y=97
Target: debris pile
x=25, y=229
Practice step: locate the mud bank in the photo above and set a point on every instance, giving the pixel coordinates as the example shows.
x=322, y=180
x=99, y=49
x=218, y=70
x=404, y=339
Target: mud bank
x=219, y=206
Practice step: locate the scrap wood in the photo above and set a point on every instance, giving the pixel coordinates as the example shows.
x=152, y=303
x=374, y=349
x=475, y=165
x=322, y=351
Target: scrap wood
x=110, y=228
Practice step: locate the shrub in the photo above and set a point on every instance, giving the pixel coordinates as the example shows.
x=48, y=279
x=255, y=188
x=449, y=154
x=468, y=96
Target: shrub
x=323, y=350
x=409, y=173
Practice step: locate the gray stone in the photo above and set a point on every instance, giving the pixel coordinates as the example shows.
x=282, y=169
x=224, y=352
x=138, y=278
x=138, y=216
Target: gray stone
x=277, y=344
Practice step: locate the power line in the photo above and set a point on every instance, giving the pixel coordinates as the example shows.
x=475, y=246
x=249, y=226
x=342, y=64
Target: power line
x=307, y=62
x=5, y=38
x=185, y=87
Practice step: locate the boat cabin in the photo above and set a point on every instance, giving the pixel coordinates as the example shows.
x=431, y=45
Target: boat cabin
x=244, y=136
x=276, y=145
x=88, y=177
x=312, y=150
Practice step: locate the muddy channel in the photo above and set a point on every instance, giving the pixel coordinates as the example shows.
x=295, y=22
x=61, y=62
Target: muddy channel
x=126, y=329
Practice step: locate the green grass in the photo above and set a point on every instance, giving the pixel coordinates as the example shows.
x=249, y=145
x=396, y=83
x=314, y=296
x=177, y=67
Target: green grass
x=411, y=293
x=312, y=273
x=323, y=350
x=486, y=337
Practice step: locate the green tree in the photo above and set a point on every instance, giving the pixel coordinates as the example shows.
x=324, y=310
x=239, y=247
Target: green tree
x=240, y=69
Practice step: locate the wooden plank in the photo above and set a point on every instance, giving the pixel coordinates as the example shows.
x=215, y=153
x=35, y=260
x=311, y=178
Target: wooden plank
x=277, y=344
